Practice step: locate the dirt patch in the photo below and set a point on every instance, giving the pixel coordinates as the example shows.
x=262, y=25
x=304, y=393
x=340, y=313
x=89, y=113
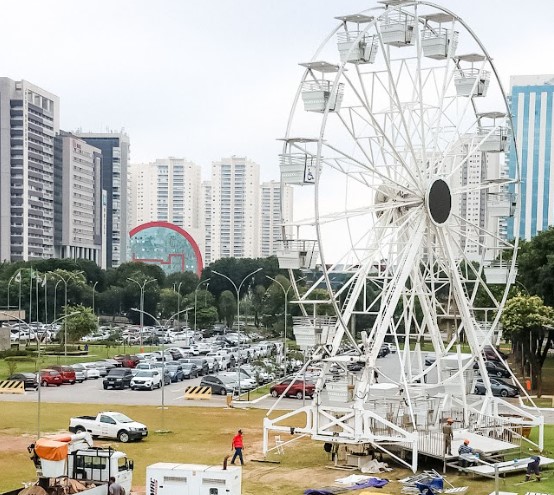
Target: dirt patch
x=15, y=443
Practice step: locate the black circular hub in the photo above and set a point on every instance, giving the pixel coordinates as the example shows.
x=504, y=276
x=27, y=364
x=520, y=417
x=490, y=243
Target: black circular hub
x=439, y=201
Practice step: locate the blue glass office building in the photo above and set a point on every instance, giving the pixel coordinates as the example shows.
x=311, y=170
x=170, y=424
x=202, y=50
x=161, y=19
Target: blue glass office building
x=532, y=99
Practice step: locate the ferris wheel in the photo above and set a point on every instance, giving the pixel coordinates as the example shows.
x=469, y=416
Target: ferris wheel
x=396, y=147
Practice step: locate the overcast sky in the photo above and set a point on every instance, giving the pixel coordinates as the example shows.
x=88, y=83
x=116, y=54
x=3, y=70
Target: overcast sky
x=203, y=79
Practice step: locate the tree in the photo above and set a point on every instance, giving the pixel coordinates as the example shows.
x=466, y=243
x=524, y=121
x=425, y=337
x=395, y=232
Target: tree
x=80, y=324
x=536, y=265
x=227, y=307
x=169, y=301
x=528, y=324
x=188, y=281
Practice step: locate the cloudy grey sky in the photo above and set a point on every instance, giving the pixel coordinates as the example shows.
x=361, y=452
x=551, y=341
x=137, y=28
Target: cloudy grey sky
x=210, y=78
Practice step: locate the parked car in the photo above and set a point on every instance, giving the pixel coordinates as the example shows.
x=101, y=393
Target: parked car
x=109, y=424
x=50, y=377
x=498, y=388
x=149, y=379
x=383, y=351
x=118, y=378
x=246, y=382
x=494, y=368
x=91, y=371
x=430, y=358
x=29, y=380
x=189, y=370
x=298, y=389
x=67, y=372
x=200, y=363
x=490, y=354
x=391, y=346
x=128, y=360
x=175, y=371
x=220, y=385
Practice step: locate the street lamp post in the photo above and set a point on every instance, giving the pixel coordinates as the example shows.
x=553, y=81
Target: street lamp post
x=238, y=308
x=142, y=286
x=286, y=293
x=93, y=293
x=195, y=298
x=55, y=292
x=65, y=280
x=166, y=326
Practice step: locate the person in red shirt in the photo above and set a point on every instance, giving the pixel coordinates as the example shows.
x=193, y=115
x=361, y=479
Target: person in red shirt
x=238, y=445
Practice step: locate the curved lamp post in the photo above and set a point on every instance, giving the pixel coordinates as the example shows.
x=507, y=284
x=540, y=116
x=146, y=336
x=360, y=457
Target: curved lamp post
x=142, y=312
x=286, y=293
x=142, y=287
x=238, y=308
x=65, y=280
x=196, y=296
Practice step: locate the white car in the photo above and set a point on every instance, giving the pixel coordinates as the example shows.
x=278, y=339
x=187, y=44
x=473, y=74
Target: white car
x=147, y=379
x=246, y=382
x=90, y=370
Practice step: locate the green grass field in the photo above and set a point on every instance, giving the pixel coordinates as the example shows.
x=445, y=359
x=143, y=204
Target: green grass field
x=203, y=435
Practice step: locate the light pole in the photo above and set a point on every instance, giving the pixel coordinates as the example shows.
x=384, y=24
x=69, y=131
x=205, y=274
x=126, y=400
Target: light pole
x=142, y=286
x=55, y=292
x=286, y=293
x=178, y=301
x=195, y=298
x=93, y=293
x=142, y=312
x=238, y=308
x=65, y=280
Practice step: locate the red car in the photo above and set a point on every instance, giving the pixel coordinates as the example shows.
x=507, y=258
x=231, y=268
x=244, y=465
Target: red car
x=50, y=377
x=128, y=361
x=298, y=389
x=67, y=372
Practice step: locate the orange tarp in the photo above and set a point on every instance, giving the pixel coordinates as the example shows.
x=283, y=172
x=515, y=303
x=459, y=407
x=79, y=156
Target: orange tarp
x=51, y=450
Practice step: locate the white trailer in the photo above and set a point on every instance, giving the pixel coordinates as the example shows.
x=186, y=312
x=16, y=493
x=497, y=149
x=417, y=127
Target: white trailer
x=166, y=478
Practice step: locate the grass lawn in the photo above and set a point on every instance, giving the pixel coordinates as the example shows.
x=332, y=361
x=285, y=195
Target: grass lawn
x=203, y=435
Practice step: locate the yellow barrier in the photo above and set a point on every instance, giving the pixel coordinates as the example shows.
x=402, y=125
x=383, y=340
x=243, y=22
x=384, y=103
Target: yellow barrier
x=12, y=387
x=198, y=392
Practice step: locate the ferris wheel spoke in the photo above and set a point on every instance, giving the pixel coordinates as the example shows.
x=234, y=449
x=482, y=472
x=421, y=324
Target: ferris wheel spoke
x=361, y=170
x=370, y=119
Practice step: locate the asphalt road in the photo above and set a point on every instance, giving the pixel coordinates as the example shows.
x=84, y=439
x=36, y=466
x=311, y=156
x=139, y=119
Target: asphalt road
x=92, y=392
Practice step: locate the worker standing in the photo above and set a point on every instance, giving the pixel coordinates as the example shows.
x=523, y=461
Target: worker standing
x=448, y=435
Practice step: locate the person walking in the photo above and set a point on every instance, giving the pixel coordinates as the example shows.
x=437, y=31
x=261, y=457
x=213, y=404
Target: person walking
x=115, y=488
x=448, y=435
x=238, y=446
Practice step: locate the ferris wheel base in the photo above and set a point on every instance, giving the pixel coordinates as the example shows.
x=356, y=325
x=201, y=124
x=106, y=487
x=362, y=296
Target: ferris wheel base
x=404, y=441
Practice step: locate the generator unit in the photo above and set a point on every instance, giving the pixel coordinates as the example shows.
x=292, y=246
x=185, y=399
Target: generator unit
x=165, y=478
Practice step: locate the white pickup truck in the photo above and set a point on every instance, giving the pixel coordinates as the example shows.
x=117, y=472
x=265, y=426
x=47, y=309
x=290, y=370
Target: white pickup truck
x=109, y=425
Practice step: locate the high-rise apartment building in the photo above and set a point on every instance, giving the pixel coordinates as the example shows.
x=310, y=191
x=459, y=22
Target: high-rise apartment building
x=473, y=209
x=142, y=194
x=29, y=121
x=234, y=232
x=272, y=216
x=115, y=148
x=532, y=102
x=167, y=190
x=77, y=199
x=206, y=220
